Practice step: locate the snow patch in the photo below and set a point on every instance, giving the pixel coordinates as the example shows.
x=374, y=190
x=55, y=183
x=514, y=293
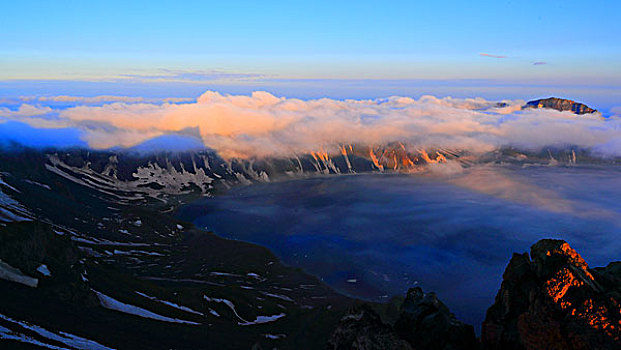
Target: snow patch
x=73, y=341
x=213, y=312
x=227, y=303
x=171, y=304
x=8, y=334
x=10, y=209
x=225, y=274
x=113, y=304
x=134, y=252
x=278, y=296
x=44, y=270
x=38, y=184
x=7, y=185
x=275, y=336
x=10, y=273
x=262, y=319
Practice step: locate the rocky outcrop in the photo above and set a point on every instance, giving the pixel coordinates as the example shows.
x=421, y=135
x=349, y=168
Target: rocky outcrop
x=560, y=104
x=361, y=328
x=549, y=299
x=424, y=323
x=427, y=323
x=553, y=300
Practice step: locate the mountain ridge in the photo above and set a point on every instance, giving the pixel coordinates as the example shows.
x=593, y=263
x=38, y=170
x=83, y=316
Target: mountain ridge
x=561, y=104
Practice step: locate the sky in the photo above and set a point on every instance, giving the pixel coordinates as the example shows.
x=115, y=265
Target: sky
x=113, y=73
x=554, y=41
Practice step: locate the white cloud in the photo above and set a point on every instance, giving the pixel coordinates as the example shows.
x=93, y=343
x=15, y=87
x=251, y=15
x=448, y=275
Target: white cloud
x=94, y=99
x=24, y=110
x=265, y=125
x=103, y=99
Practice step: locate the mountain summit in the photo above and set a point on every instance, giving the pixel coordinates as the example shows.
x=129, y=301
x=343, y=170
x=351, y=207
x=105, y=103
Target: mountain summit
x=560, y=104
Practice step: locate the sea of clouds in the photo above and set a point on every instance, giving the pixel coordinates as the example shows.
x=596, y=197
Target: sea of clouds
x=263, y=125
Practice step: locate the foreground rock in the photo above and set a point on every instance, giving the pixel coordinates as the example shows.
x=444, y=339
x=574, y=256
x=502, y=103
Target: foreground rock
x=560, y=104
x=361, y=328
x=424, y=323
x=553, y=300
x=548, y=300
x=427, y=323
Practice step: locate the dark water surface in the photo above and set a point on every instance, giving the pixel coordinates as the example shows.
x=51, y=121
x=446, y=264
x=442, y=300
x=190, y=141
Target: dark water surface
x=374, y=236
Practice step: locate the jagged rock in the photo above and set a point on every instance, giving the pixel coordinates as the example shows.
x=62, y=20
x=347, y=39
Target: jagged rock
x=560, y=104
x=426, y=323
x=553, y=300
x=363, y=329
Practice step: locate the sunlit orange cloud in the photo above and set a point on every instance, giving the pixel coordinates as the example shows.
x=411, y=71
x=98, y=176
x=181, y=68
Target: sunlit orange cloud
x=264, y=125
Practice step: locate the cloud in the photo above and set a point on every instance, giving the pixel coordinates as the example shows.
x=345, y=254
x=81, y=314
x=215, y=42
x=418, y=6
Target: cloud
x=501, y=183
x=263, y=125
x=24, y=110
x=194, y=76
x=492, y=56
x=539, y=63
x=94, y=99
x=100, y=99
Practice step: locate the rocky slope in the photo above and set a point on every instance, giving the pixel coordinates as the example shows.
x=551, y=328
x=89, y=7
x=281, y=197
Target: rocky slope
x=550, y=300
x=133, y=177
x=90, y=254
x=553, y=300
x=424, y=322
x=87, y=263
x=560, y=104
x=167, y=177
x=362, y=328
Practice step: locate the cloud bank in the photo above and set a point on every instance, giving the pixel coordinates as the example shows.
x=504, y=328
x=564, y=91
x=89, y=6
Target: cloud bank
x=194, y=76
x=263, y=125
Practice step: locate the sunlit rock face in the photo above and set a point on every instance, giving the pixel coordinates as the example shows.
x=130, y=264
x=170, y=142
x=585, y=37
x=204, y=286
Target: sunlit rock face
x=553, y=300
x=560, y=104
x=132, y=175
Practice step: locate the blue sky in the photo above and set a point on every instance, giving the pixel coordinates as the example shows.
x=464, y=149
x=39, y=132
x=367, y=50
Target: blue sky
x=519, y=50
x=309, y=49
x=313, y=39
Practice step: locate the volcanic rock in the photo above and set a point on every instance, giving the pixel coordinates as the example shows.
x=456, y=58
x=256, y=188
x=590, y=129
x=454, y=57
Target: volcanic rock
x=426, y=323
x=553, y=300
x=361, y=328
x=560, y=104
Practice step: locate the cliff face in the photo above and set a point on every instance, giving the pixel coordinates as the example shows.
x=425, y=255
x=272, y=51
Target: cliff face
x=553, y=300
x=560, y=104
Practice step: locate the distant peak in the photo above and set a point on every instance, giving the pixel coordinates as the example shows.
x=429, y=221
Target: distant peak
x=560, y=104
